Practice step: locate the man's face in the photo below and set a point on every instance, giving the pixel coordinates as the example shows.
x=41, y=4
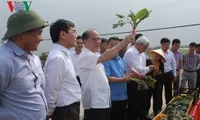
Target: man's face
x=197, y=50
x=175, y=46
x=112, y=43
x=32, y=39
x=144, y=47
x=93, y=42
x=103, y=47
x=70, y=37
x=191, y=49
x=165, y=46
x=79, y=44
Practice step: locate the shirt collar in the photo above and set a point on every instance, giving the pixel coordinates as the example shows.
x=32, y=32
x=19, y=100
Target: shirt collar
x=174, y=51
x=137, y=52
x=14, y=48
x=62, y=48
x=74, y=52
x=87, y=50
x=116, y=57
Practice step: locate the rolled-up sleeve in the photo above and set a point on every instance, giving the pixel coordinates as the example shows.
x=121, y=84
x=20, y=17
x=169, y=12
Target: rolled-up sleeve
x=133, y=60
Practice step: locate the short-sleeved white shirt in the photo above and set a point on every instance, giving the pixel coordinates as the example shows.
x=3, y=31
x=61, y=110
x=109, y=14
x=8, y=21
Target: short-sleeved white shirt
x=95, y=86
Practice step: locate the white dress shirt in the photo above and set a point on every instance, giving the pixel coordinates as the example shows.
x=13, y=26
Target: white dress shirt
x=74, y=57
x=95, y=86
x=170, y=63
x=136, y=60
x=61, y=88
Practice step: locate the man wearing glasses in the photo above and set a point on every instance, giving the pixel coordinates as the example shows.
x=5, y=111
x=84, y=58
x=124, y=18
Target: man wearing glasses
x=62, y=90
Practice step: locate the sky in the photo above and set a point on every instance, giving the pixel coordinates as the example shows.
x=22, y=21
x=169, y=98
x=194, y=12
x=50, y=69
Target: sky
x=100, y=15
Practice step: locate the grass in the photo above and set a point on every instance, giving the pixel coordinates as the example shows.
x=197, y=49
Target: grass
x=183, y=50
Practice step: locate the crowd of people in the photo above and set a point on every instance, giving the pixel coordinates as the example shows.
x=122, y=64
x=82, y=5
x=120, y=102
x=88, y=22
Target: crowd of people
x=96, y=73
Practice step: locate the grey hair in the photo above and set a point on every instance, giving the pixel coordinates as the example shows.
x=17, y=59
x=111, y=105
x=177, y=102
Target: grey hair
x=142, y=40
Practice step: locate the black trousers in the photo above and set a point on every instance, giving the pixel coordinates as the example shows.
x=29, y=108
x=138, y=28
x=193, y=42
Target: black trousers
x=118, y=110
x=166, y=81
x=136, y=103
x=198, y=79
x=97, y=114
x=157, y=98
x=70, y=112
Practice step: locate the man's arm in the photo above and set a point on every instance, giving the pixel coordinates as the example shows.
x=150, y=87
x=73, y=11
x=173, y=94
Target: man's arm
x=109, y=54
x=4, y=76
x=53, y=75
x=111, y=78
x=115, y=79
x=133, y=61
x=173, y=64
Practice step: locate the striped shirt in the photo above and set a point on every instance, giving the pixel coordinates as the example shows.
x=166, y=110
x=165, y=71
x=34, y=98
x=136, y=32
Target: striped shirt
x=21, y=82
x=177, y=56
x=190, y=62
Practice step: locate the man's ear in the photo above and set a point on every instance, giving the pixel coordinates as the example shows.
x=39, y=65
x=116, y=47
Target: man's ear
x=62, y=35
x=84, y=41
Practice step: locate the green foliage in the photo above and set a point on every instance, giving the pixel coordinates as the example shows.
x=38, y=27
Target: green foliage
x=132, y=18
x=144, y=84
x=177, y=109
x=43, y=58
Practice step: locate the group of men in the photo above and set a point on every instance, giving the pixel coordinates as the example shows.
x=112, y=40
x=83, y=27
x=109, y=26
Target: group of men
x=100, y=79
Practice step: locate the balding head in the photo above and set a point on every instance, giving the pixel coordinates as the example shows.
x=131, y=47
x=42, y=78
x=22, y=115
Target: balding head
x=88, y=33
x=142, y=41
x=142, y=44
x=91, y=40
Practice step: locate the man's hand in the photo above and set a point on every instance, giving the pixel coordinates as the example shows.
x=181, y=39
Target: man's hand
x=135, y=73
x=151, y=67
x=178, y=73
x=48, y=117
x=174, y=78
x=126, y=78
x=129, y=38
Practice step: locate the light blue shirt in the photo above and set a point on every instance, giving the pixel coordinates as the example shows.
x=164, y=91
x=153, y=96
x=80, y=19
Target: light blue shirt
x=21, y=81
x=116, y=68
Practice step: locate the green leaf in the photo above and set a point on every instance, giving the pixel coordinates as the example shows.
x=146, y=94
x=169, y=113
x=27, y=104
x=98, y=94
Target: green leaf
x=119, y=23
x=141, y=15
x=120, y=16
x=132, y=16
x=144, y=13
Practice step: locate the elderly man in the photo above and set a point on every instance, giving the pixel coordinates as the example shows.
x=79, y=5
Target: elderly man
x=21, y=75
x=135, y=58
x=95, y=87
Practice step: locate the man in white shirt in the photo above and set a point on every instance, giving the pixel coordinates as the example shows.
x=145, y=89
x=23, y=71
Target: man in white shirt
x=135, y=58
x=62, y=90
x=169, y=69
x=95, y=86
x=74, y=55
